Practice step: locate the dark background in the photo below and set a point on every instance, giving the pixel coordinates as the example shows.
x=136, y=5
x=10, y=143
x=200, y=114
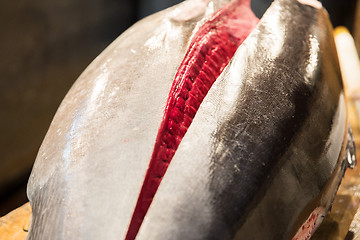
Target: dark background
x=44, y=46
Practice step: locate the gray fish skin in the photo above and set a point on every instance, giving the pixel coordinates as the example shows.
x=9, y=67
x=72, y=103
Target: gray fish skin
x=92, y=162
x=264, y=145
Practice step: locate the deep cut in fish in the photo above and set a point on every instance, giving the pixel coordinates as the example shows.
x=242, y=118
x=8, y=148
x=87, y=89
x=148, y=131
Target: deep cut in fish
x=210, y=50
x=199, y=122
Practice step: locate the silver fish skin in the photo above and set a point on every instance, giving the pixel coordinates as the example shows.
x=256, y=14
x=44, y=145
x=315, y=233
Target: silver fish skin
x=95, y=153
x=265, y=148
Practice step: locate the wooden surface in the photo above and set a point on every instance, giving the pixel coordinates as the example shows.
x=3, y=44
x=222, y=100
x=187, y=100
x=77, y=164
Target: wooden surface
x=350, y=67
x=15, y=224
x=356, y=27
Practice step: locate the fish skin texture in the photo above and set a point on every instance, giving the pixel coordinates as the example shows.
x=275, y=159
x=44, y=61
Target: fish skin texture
x=263, y=151
x=270, y=138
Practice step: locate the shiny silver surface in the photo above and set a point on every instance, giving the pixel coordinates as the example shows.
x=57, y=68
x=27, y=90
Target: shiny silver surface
x=265, y=148
x=92, y=162
x=270, y=138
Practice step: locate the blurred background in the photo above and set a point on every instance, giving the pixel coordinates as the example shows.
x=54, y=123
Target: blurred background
x=44, y=47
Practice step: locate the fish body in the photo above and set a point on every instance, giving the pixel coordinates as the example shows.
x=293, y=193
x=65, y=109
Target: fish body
x=263, y=156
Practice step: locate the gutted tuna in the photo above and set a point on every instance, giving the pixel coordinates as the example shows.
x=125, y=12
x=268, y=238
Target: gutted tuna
x=199, y=122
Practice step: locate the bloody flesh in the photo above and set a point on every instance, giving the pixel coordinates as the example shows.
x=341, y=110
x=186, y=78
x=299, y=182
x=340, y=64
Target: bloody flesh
x=209, y=52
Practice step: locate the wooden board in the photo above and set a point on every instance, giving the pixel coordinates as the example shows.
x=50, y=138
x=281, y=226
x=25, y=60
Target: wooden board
x=14, y=225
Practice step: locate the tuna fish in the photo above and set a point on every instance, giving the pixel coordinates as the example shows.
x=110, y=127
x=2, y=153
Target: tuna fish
x=199, y=122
